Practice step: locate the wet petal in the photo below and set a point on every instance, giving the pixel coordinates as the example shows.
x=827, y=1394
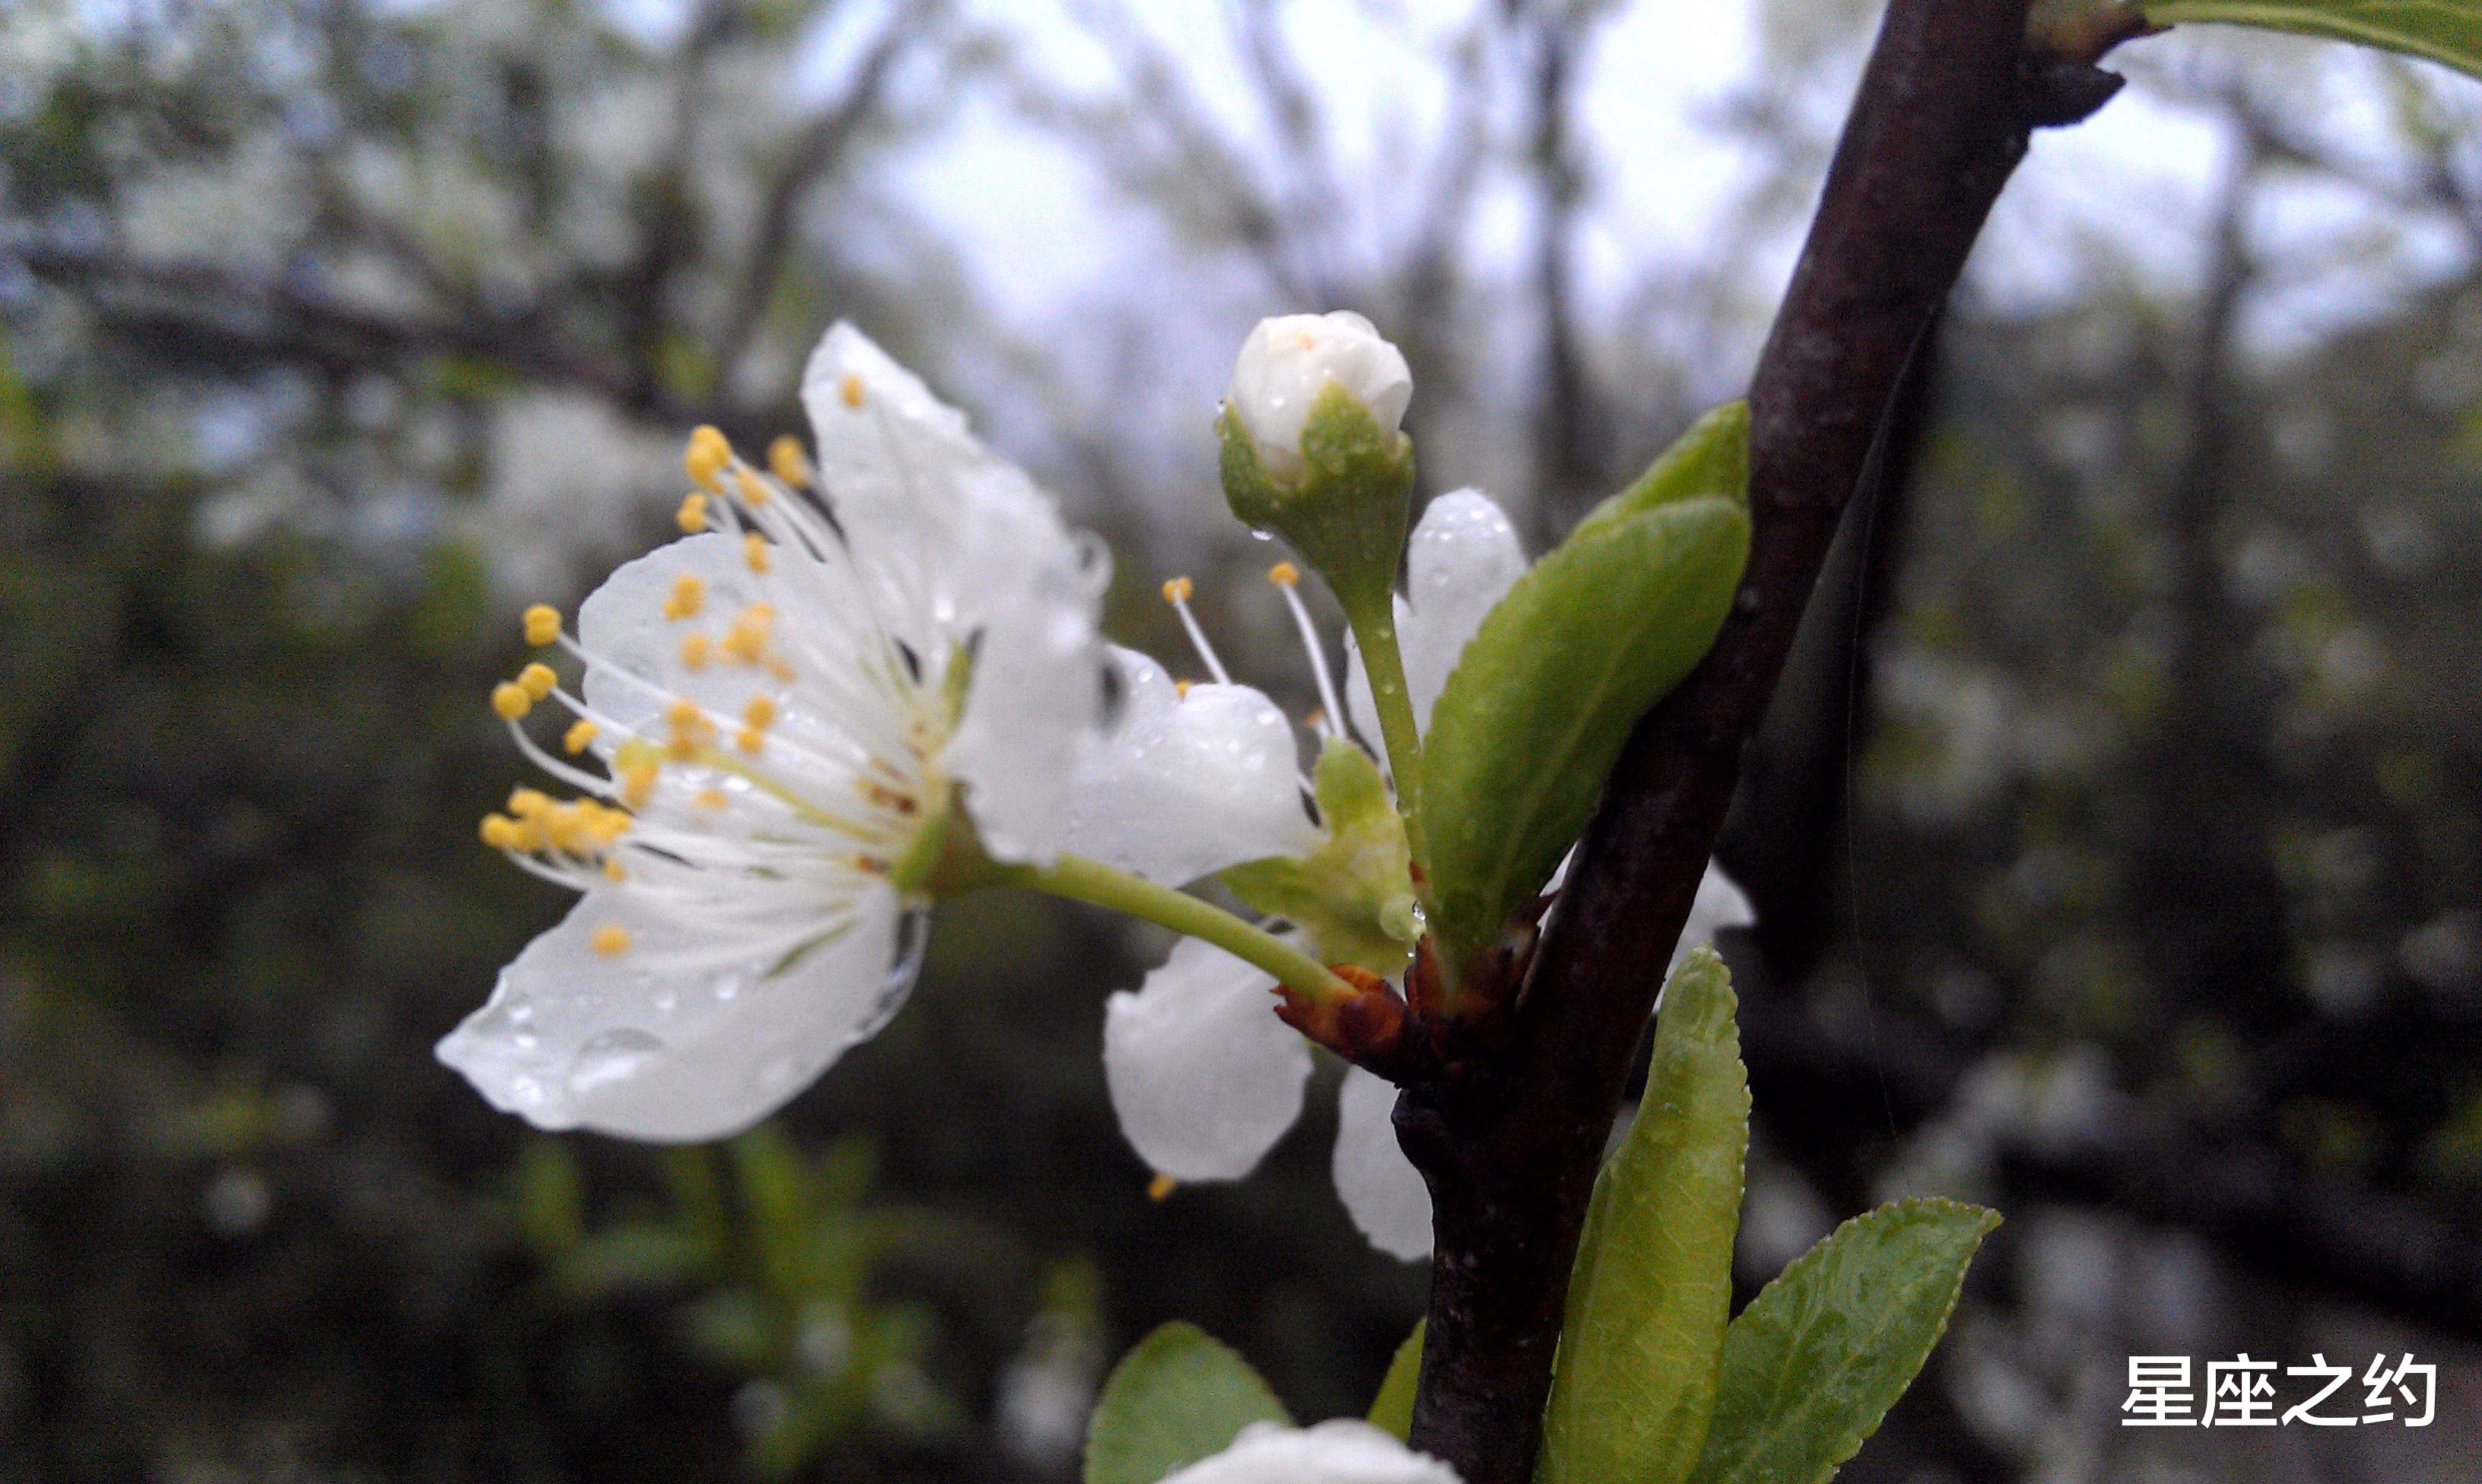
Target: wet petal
x=1381, y=1190
x=1186, y=785
x=676, y=1038
x=1204, y=1076
x=1463, y=558
x=966, y=557
x=1341, y=1451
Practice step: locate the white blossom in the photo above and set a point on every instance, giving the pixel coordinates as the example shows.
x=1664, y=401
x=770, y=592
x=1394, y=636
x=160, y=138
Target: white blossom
x=1287, y=360
x=775, y=705
x=1342, y=1451
x=1203, y=1075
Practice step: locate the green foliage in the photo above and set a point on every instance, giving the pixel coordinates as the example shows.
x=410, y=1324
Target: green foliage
x=1179, y=1396
x=1652, y=1286
x=1822, y=1353
x=2444, y=31
x=1534, y=715
x=1353, y=894
x=769, y=1275
x=1391, y=1411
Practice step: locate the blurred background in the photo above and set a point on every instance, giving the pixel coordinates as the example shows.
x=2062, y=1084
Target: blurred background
x=2117, y=838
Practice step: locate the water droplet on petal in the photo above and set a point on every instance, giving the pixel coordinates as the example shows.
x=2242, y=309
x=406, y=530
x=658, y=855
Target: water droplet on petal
x=611, y=1057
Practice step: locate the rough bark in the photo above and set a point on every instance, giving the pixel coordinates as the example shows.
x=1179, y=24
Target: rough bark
x=1509, y=1143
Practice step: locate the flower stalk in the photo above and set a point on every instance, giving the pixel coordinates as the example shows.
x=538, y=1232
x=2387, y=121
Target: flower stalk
x=1096, y=884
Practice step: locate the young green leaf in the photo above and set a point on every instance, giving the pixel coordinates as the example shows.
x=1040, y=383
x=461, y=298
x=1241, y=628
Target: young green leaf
x=2448, y=31
x=1653, y=1280
x=1822, y=1353
x=1391, y=1411
x=1179, y=1396
x=1534, y=715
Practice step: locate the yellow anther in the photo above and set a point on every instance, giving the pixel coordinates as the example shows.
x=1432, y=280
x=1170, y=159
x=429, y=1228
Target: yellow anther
x=528, y=803
x=760, y=712
x=510, y=700
x=694, y=650
x=710, y=798
x=685, y=717
x=580, y=733
x=1316, y=718
x=1161, y=1187
x=537, y=680
x=1283, y=574
x=850, y=388
x=499, y=832
x=746, y=639
x=566, y=827
x=612, y=870
x=1180, y=688
x=605, y=822
x=543, y=624
x=692, y=515
x=611, y=940
x=753, y=551
x=782, y=668
x=787, y=463
x=637, y=784
x=710, y=450
x=1178, y=590
x=689, y=596
x=754, y=489
x=751, y=740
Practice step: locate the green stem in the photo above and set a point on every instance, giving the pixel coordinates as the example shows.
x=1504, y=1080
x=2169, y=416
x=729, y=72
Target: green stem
x=1080, y=879
x=1374, y=630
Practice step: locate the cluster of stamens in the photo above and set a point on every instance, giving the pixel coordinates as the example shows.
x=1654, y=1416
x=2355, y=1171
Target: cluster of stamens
x=604, y=833
x=1326, y=721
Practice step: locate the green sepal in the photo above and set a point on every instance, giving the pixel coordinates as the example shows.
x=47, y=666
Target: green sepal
x=1179, y=1396
x=1822, y=1353
x=1353, y=894
x=1534, y=715
x=1344, y=508
x=2443, y=31
x=1653, y=1285
x=1391, y=1411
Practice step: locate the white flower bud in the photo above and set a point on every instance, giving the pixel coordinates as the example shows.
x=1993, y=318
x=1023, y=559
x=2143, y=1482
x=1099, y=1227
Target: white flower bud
x=1286, y=361
x=1343, y=1451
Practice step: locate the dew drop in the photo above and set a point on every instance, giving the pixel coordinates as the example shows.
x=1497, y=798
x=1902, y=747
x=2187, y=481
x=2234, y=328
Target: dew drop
x=611, y=1057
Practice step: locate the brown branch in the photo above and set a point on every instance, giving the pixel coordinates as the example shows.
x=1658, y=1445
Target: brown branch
x=1510, y=1150
x=820, y=148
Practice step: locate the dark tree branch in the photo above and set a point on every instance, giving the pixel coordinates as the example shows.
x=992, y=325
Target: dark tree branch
x=1510, y=1148
x=820, y=148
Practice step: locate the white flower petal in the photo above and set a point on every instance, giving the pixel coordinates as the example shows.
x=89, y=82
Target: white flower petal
x=1204, y=1076
x=1463, y=558
x=1286, y=360
x=1186, y=785
x=963, y=554
x=1721, y=903
x=673, y=1039
x=1381, y=1190
x=623, y=623
x=1341, y=1451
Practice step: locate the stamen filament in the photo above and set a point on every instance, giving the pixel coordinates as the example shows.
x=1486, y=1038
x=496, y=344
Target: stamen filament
x=1176, y=593
x=1330, y=720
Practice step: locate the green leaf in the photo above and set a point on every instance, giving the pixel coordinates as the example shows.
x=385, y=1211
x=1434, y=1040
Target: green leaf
x=1535, y=713
x=1819, y=1356
x=2448, y=31
x=1653, y=1281
x=1179, y=1396
x=1353, y=894
x=1391, y=1411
